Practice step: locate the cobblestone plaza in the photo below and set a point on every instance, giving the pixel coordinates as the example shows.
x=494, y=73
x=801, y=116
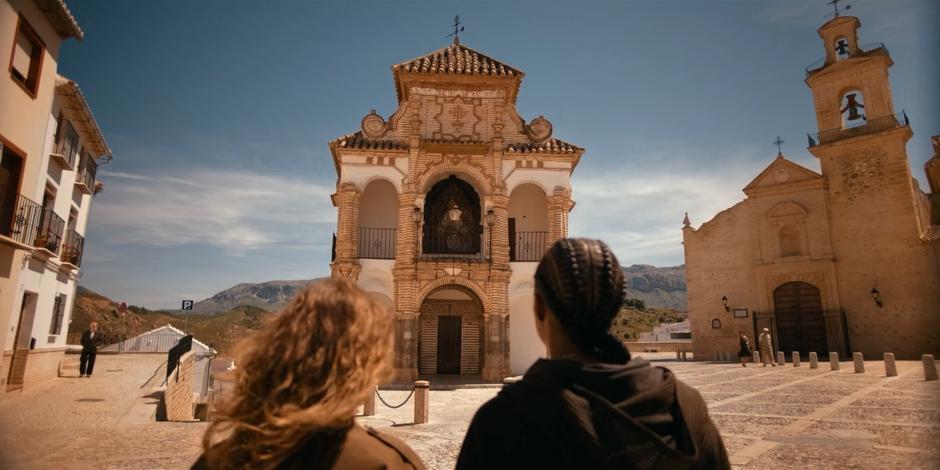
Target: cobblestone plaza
x=774, y=417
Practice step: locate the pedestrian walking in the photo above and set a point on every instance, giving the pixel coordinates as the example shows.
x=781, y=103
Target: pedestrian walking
x=91, y=338
x=766, y=348
x=744, y=352
x=589, y=405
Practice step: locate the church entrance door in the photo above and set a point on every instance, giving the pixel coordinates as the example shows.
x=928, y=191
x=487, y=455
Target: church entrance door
x=448, y=345
x=801, y=325
x=451, y=332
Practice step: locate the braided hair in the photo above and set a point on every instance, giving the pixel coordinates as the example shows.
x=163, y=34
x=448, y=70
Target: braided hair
x=580, y=281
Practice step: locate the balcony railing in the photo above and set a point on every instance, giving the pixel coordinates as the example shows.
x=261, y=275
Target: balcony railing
x=85, y=179
x=527, y=246
x=863, y=49
x=20, y=218
x=50, y=232
x=377, y=243
x=866, y=127
x=64, y=153
x=73, y=248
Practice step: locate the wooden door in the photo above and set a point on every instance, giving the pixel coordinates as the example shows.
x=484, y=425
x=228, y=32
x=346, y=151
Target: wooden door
x=24, y=332
x=512, y=239
x=448, y=344
x=800, y=320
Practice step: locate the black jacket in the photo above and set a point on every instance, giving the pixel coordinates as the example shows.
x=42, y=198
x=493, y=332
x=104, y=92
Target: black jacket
x=89, y=344
x=568, y=415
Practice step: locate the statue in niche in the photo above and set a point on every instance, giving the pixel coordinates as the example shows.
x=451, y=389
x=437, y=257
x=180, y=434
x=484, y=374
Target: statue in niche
x=452, y=218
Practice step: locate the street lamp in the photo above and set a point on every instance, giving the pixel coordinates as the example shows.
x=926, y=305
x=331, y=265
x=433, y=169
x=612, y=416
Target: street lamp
x=724, y=301
x=876, y=296
x=490, y=217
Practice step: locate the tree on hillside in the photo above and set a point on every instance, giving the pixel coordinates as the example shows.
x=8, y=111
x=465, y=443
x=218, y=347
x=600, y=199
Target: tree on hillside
x=635, y=303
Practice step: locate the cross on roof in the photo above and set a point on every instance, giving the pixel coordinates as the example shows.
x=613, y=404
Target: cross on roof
x=779, y=143
x=835, y=8
x=458, y=28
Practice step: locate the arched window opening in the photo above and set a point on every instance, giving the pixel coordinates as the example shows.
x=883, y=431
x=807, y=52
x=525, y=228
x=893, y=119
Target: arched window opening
x=528, y=223
x=841, y=48
x=378, y=220
x=452, y=222
x=790, y=241
x=852, y=109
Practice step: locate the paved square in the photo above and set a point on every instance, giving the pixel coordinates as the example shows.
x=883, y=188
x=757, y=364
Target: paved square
x=771, y=418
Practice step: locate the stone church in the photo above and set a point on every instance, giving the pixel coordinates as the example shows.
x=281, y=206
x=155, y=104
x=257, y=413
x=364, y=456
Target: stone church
x=445, y=208
x=841, y=260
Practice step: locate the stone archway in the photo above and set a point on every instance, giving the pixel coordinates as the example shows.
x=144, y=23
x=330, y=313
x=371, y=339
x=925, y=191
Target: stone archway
x=801, y=323
x=452, y=219
x=450, y=332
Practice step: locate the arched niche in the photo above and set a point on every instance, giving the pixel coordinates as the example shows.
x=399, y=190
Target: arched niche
x=450, y=336
x=378, y=220
x=790, y=241
x=452, y=218
x=528, y=222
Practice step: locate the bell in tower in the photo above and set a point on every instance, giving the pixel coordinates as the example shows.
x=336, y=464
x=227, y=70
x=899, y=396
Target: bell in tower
x=852, y=106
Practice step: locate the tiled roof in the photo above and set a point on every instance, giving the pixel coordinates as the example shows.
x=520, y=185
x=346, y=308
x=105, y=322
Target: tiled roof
x=932, y=234
x=58, y=14
x=357, y=141
x=549, y=146
x=83, y=118
x=457, y=59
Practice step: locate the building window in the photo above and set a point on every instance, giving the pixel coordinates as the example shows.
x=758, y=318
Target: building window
x=66, y=141
x=58, y=315
x=26, y=60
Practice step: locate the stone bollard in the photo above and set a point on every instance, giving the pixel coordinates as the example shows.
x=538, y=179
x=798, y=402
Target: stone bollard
x=834, y=360
x=756, y=357
x=796, y=359
x=813, y=361
x=368, y=408
x=859, y=363
x=781, y=359
x=891, y=370
x=930, y=367
x=422, y=392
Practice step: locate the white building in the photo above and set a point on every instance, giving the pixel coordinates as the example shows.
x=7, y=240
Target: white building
x=51, y=145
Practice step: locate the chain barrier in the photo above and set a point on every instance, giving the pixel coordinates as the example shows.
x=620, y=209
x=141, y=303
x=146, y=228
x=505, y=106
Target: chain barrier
x=410, y=394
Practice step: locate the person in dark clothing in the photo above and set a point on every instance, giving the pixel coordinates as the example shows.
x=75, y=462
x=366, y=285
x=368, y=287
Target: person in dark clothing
x=744, y=352
x=589, y=406
x=91, y=338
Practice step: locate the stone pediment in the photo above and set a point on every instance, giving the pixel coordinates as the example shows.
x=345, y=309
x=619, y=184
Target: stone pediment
x=781, y=173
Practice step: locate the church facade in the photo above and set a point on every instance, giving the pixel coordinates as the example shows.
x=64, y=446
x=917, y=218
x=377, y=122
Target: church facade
x=841, y=260
x=445, y=208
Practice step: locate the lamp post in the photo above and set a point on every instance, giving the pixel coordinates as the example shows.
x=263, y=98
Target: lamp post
x=416, y=217
x=876, y=296
x=724, y=301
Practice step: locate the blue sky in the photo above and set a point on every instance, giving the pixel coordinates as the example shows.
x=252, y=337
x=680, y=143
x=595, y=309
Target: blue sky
x=219, y=114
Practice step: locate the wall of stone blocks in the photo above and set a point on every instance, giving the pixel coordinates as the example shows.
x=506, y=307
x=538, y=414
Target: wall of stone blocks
x=178, y=395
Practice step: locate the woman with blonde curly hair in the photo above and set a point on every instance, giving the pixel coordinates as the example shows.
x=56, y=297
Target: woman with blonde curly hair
x=298, y=385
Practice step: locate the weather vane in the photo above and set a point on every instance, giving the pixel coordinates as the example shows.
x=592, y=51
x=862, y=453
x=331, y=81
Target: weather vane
x=458, y=28
x=835, y=8
x=779, y=143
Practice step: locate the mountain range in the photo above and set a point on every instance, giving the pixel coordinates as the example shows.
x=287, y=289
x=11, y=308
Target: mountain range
x=270, y=295
x=657, y=287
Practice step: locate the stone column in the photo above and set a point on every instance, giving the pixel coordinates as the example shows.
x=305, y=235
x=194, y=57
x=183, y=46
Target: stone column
x=499, y=232
x=346, y=200
x=406, y=240
x=559, y=205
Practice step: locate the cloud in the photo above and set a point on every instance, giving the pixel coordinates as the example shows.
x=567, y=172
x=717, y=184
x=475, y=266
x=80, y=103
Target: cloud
x=235, y=210
x=639, y=212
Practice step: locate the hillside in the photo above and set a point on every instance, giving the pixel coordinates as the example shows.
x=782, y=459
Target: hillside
x=223, y=330
x=657, y=287
x=269, y=296
x=630, y=322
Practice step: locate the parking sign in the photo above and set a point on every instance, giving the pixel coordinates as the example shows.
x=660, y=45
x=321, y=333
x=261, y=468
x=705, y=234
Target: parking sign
x=187, y=305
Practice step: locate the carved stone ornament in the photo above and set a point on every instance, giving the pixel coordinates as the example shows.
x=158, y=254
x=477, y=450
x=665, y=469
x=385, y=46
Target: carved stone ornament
x=373, y=125
x=539, y=130
x=782, y=175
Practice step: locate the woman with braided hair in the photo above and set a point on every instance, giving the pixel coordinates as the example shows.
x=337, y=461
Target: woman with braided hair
x=588, y=405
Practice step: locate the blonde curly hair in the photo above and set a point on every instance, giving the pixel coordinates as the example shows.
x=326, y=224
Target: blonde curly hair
x=300, y=379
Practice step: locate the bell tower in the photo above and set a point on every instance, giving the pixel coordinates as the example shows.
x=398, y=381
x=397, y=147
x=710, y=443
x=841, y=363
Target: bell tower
x=875, y=212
